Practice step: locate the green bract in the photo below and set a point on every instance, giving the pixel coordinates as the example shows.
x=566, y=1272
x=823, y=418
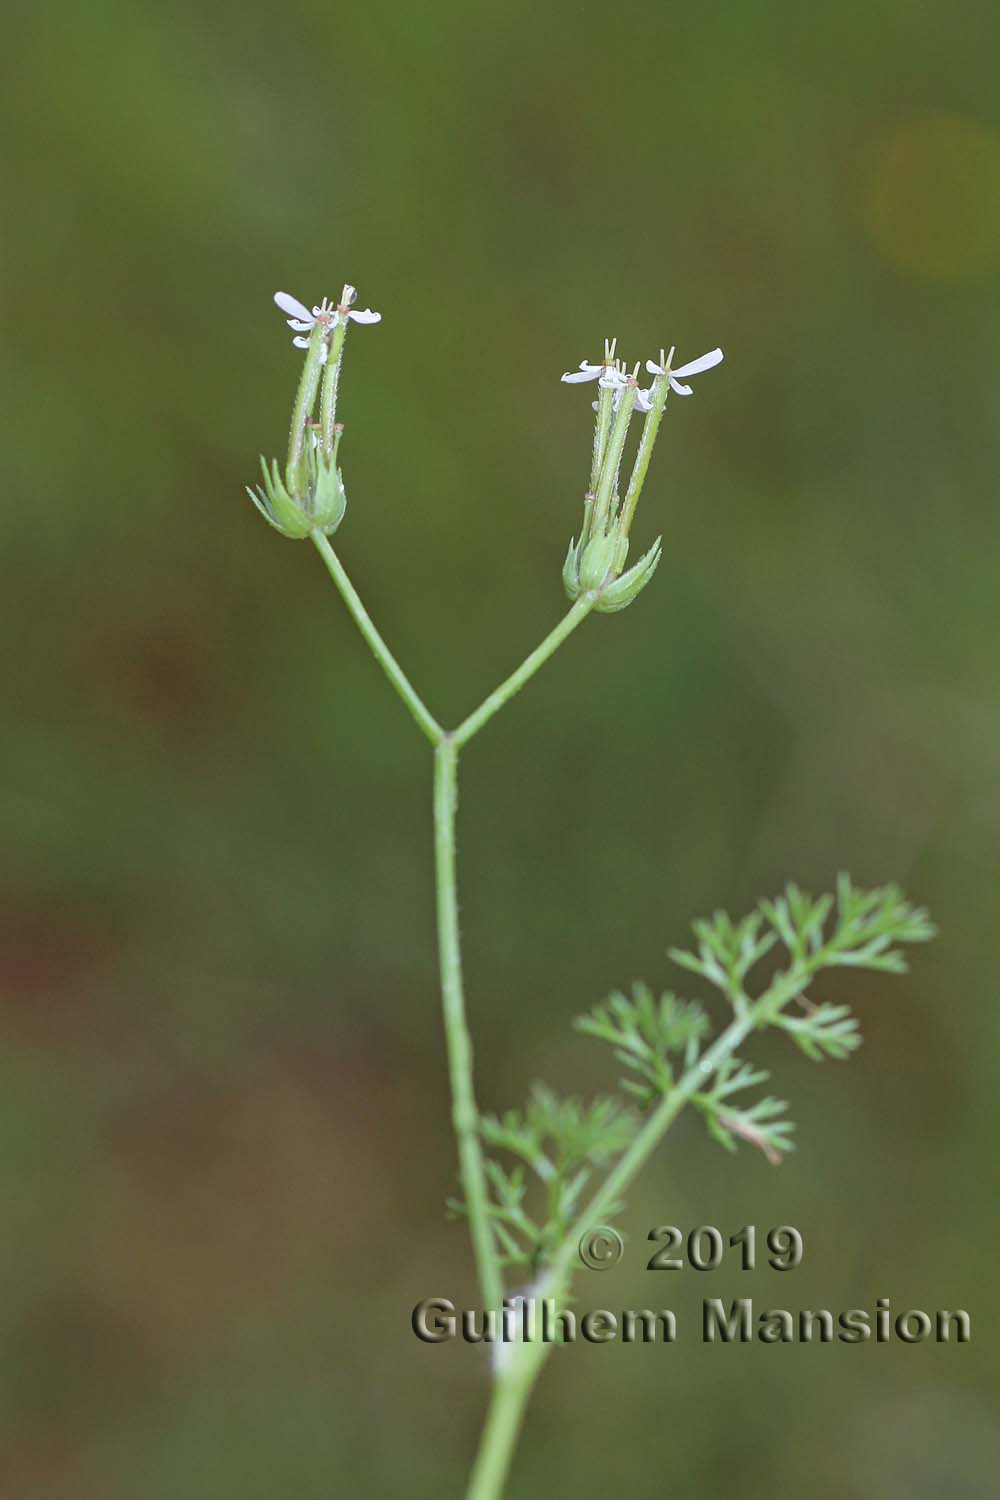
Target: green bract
x=310, y=498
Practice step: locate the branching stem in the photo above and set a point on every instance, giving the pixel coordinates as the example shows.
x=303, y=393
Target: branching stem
x=513, y=684
x=465, y=1114
x=390, y=666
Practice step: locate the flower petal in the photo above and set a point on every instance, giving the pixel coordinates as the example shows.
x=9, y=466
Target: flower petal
x=299, y=325
x=589, y=372
x=365, y=315
x=653, y=367
x=704, y=363
x=293, y=307
x=682, y=390
x=301, y=343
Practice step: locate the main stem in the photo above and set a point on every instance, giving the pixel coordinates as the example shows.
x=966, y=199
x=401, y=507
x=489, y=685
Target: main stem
x=504, y=1421
x=465, y=1115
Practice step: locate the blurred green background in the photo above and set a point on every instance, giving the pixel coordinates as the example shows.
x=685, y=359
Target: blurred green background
x=224, y=1133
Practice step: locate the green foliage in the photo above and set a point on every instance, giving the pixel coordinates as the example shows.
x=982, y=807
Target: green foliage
x=727, y=950
x=554, y=1136
x=653, y=1039
x=824, y=1031
x=865, y=926
x=762, y=1124
x=518, y=1238
x=667, y=1047
x=558, y=1143
x=646, y=1033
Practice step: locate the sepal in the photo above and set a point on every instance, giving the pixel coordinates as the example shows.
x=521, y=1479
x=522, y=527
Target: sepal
x=309, y=497
x=619, y=595
x=571, y=572
x=329, y=497
x=282, y=509
x=597, y=562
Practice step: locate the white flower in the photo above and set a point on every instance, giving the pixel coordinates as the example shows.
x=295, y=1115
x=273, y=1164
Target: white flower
x=358, y=314
x=706, y=362
x=303, y=321
x=607, y=373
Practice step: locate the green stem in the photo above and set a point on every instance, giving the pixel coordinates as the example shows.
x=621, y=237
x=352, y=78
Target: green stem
x=503, y=1427
x=501, y=695
x=305, y=399
x=602, y=426
x=612, y=459
x=650, y=428
x=465, y=1115
x=328, y=394
x=390, y=666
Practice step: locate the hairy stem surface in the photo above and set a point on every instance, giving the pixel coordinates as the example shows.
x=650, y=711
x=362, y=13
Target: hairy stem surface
x=465, y=1115
x=390, y=666
x=513, y=684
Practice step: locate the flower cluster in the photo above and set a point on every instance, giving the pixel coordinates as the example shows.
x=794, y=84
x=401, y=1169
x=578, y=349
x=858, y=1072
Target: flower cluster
x=327, y=316
x=595, y=563
x=309, y=495
x=610, y=373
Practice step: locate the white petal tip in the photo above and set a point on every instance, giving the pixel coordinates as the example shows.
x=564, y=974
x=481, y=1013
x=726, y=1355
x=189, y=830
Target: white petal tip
x=706, y=362
x=292, y=306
